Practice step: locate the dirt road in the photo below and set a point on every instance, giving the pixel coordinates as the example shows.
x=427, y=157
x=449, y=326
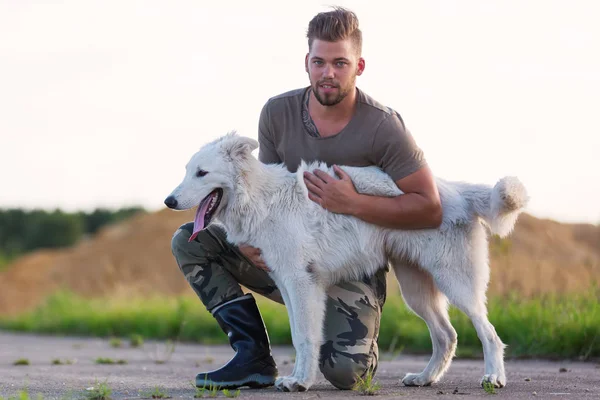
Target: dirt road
x=141, y=374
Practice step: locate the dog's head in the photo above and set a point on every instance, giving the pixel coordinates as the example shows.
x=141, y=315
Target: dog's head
x=211, y=176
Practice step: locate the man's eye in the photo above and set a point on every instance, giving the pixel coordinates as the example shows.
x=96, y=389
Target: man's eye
x=318, y=62
x=200, y=173
x=341, y=63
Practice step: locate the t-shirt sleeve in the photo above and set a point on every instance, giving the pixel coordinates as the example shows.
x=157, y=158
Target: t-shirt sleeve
x=267, y=153
x=395, y=150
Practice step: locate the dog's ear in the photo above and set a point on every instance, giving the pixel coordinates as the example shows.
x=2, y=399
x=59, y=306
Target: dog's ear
x=240, y=146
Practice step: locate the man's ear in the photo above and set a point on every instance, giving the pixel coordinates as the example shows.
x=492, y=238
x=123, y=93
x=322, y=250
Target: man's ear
x=241, y=146
x=360, y=67
x=306, y=63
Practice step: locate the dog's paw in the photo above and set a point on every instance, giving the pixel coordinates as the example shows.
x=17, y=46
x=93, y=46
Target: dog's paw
x=411, y=379
x=499, y=381
x=289, y=384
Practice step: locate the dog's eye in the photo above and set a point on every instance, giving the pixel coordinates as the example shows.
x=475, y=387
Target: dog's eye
x=201, y=172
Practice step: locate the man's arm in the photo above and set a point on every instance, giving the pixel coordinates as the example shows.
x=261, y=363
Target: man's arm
x=395, y=151
x=418, y=208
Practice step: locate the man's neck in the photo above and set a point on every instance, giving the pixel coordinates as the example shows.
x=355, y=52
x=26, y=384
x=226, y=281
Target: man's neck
x=339, y=112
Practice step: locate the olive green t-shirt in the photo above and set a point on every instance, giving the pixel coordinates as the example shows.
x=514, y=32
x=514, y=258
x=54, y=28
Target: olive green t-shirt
x=375, y=135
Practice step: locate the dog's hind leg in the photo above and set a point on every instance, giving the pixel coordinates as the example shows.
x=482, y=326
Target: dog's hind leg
x=422, y=296
x=466, y=289
x=493, y=348
x=307, y=301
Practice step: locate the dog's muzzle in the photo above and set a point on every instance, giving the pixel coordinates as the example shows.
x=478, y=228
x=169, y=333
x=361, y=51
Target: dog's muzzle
x=171, y=202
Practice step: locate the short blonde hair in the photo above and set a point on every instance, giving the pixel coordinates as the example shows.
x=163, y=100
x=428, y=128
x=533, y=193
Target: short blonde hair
x=331, y=26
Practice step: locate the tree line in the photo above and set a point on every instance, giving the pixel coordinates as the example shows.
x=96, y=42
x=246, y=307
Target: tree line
x=22, y=231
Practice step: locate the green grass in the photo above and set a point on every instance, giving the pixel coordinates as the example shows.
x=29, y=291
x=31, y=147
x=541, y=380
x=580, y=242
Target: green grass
x=23, y=395
x=554, y=327
x=158, y=392
x=58, y=361
x=489, y=387
x=210, y=391
x=110, y=361
x=231, y=394
x=100, y=391
x=136, y=340
x=366, y=386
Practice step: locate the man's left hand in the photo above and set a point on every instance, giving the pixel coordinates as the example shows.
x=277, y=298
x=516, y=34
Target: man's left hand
x=336, y=195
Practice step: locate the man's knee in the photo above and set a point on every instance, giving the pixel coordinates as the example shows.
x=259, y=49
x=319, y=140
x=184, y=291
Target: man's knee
x=345, y=372
x=181, y=237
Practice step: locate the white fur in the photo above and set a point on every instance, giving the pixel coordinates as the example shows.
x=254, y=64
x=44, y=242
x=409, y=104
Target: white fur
x=268, y=207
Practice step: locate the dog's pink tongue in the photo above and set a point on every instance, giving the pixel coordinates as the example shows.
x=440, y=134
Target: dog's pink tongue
x=199, y=219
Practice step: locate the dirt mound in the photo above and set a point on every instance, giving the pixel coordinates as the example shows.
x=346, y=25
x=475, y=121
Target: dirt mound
x=134, y=258
x=544, y=256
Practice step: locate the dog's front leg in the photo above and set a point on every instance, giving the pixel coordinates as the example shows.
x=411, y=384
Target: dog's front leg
x=306, y=299
x=290, y=311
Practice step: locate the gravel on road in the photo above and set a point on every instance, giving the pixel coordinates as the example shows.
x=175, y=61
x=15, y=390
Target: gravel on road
x=155, y=364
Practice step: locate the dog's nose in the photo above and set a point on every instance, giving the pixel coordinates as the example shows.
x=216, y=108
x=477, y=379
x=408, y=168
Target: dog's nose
x=171, y=202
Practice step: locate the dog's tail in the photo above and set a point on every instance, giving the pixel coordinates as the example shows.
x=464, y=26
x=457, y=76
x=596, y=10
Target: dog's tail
x=501, y=205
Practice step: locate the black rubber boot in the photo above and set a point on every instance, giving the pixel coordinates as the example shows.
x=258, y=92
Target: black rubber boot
x=252, y=365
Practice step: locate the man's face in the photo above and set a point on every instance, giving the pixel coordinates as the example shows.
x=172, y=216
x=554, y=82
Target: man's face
x=332, y=68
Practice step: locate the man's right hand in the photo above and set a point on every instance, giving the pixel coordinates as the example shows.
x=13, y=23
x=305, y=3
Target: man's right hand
x=255, y=256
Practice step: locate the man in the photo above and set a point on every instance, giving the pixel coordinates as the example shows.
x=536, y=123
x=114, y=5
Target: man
x=332, y=121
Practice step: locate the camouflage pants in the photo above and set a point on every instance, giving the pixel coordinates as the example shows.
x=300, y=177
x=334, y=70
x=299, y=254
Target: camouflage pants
x=215, y=269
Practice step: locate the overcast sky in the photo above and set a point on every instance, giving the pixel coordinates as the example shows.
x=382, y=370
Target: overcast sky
x=103, y=102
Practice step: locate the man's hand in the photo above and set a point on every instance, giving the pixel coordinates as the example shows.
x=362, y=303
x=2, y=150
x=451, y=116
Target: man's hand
x=336, y=195
x=255, y=256
x=418, y=208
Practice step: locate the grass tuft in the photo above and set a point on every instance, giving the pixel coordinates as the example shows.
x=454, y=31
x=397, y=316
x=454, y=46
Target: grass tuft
x=230, y=394
x=158, y=392
x=22, y=395
x=366, y=386
x=489, y=388
x=100, y=391
x=107, y=360
x=136, y=340
x=210, y=391
x=162, y=354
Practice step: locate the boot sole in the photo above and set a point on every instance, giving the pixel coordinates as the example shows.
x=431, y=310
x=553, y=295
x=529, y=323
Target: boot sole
x=254, y=381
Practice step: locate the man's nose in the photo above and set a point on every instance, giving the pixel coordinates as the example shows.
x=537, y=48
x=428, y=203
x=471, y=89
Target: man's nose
x=328, y=72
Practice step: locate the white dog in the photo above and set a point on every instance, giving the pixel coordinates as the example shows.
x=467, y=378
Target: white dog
x=309, y=248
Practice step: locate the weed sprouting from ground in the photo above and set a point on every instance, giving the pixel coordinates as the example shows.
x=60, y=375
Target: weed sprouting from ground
x=230, y=394
x=106, y=360
x=489, y=387
x=136, y=340
x=158, y=392
x=100, y=391
x=162, y=355
x=210, y=391
x=58, y=361
x=366, y=386
x=23, y=395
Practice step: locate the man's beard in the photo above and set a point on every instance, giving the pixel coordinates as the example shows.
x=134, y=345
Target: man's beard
x=328, y=100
